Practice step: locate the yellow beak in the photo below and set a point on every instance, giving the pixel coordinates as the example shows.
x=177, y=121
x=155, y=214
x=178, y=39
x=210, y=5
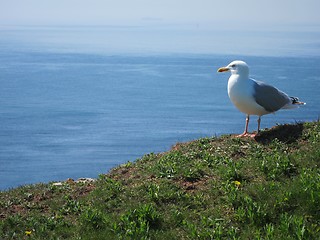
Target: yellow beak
x=223, y=69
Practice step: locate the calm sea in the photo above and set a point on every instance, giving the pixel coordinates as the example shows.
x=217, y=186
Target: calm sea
x=74, y=107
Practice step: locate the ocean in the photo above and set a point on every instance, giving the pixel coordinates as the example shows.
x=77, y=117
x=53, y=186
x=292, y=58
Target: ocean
x=76, y=103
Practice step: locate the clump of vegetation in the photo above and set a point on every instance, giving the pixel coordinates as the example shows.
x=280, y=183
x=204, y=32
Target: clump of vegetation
x=211, y=188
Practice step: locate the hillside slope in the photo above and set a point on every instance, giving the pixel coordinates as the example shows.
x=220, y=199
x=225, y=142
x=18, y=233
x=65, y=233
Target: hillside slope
x=211, y=188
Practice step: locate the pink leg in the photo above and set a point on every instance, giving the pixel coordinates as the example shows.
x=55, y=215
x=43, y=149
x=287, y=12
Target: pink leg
x=245, y=133
x=259, y=120
x=246, y=127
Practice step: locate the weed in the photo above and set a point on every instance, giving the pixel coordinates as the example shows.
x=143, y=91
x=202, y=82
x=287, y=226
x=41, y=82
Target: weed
x=252, y=212
x=92, y=219
x=168, y=165
x=310, y=183
x=70, y=206
x=233, y=170
x=136, y=223
x=153, y=191
x=164, y=194
x=193, y=174
x=276, y=165
x=210, y=228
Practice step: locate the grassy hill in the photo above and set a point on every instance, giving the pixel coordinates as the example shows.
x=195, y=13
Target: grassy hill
x=211, y=188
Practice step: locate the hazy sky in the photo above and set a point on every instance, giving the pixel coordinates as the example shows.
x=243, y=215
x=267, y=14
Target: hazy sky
x=247, y=13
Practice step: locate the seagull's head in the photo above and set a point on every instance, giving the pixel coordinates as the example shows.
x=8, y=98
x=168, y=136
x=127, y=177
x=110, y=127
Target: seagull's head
x=236, y=67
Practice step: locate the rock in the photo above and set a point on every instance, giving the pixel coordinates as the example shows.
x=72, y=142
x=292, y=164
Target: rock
x=70, y=181
x=57, y=184
x=85, y=180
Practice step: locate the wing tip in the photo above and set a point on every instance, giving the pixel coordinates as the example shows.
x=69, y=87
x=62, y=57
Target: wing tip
x=295, y=101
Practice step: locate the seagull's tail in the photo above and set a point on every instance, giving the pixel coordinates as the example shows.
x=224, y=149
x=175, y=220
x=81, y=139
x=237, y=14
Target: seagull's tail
x=295, y=103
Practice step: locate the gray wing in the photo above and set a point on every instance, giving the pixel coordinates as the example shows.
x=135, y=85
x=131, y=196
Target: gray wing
x=269, y=97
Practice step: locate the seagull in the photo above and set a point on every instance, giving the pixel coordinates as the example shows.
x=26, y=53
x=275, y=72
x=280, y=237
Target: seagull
x=254, y=97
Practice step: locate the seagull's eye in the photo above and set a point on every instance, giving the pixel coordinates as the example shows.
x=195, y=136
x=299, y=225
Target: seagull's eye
x=233, y=65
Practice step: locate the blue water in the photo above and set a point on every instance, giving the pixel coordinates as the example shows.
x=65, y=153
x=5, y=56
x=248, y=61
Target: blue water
x=67, y=111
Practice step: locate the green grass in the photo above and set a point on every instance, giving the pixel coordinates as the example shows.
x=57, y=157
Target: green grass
x=211, y=188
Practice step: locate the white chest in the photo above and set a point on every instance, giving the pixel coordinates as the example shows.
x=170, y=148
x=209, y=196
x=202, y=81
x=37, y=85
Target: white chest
x=240, y=92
